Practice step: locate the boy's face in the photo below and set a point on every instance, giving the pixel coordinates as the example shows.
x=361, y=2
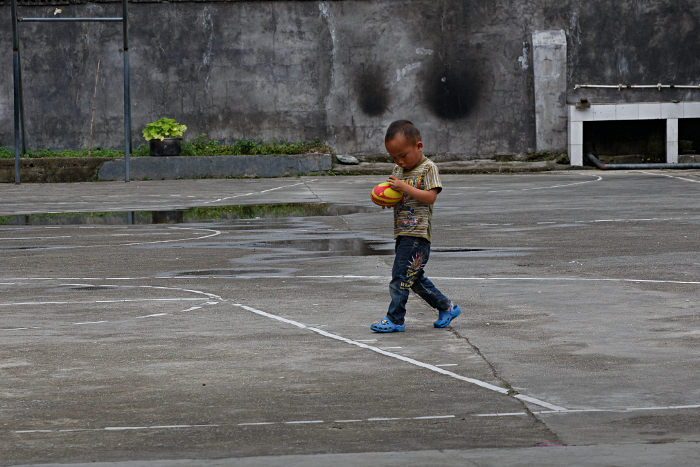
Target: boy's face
x=405, y=154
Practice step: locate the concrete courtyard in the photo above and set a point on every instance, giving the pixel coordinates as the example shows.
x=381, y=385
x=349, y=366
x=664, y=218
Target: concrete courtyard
x=245, y=342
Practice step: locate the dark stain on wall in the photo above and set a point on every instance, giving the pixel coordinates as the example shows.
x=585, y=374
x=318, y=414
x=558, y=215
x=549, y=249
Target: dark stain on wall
x=372, y=90
x=451, y=92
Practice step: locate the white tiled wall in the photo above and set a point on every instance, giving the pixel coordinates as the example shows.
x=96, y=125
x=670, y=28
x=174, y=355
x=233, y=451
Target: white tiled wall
x=627, y=112
x=603, y=112
x=669, y=111
x=672, y=140
x=691, y=109
x=649, y=111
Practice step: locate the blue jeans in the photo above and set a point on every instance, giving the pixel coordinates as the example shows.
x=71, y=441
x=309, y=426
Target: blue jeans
x=412, y=254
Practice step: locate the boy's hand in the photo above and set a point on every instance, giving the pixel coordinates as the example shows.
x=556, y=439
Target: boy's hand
x=396, y=184
x=427, y=197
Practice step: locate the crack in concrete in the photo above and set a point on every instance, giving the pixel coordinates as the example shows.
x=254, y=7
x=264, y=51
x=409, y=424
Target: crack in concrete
x=511, y=392
x=311, y=190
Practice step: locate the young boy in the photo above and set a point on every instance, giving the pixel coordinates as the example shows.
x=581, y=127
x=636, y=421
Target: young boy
x=417, y=177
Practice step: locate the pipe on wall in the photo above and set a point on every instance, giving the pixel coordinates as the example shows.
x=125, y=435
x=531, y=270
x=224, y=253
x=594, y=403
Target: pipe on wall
x=620, y=87
x=597, y=162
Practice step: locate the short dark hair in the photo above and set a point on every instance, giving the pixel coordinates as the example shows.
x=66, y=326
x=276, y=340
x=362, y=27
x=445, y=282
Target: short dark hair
x=404, y=127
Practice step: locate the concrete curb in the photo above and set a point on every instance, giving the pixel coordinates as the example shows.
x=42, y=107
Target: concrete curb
x=52, y=169
x=82, y=169
x=170, y=168
x=480, y=166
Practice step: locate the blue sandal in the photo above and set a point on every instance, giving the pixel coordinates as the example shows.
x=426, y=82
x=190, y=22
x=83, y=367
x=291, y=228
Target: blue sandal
x=445, y=317
x=385, y=325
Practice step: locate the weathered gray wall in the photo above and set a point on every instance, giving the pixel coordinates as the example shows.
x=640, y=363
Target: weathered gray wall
x=634, y=42
x=339, y=70
x=549, y=69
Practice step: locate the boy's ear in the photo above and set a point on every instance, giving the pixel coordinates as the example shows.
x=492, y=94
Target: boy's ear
x=419, y=145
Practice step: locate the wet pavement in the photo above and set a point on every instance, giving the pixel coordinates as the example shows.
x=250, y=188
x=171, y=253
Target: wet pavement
x=229, y=319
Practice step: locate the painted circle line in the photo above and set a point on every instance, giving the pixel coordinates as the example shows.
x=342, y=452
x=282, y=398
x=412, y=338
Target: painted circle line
x=65, y=247
x=208, y=299
x=294, y=422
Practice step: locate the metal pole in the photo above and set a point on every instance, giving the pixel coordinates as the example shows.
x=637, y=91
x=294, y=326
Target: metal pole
x=15, y=48
x=15, y=62
x=66, y=20
x=127, y=95
x=21, y=102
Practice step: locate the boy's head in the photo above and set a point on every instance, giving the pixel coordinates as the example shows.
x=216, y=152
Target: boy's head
x=403, y=143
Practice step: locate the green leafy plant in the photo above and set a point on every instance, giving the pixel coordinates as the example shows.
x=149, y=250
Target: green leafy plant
x=163, y=128
x=201, y=146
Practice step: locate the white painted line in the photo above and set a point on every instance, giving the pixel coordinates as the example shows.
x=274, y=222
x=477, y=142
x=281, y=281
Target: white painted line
x=121, y=428
x=191, y=309
x=434, y=417
x=671, y=176
x=214, y=234
x=304, y=421
x=255, y=193
x=170, y=426
x=268, y=315
x=554, y=186
x=573, y=411
x=532, y=400
x=34, y=431
x=259, y=423
x=36, y=238
x=427, y=366
x=209, y=295
x=501, y=414
x=383, y=419
x=83, y=302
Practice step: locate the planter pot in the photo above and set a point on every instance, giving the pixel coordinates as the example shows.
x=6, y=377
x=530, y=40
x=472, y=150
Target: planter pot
x=167, y=147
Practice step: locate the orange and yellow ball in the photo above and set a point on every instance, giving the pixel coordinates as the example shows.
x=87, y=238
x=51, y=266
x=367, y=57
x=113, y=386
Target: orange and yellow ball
x=383, y=195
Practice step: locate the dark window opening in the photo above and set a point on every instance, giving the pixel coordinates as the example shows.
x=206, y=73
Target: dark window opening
x=689, y=140
x=626, y=141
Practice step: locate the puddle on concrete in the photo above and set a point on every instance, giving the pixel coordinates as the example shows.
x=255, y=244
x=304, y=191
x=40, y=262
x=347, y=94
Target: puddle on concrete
x=239, y=272
x=189, y=215
x=344, y=246
x=332, y=246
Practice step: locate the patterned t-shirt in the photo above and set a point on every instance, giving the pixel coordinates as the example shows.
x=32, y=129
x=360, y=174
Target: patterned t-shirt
x=411, y=217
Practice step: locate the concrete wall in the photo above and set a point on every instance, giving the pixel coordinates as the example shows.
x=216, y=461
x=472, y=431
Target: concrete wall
x=549, y=68
x=634, y=42
x=340, y=70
